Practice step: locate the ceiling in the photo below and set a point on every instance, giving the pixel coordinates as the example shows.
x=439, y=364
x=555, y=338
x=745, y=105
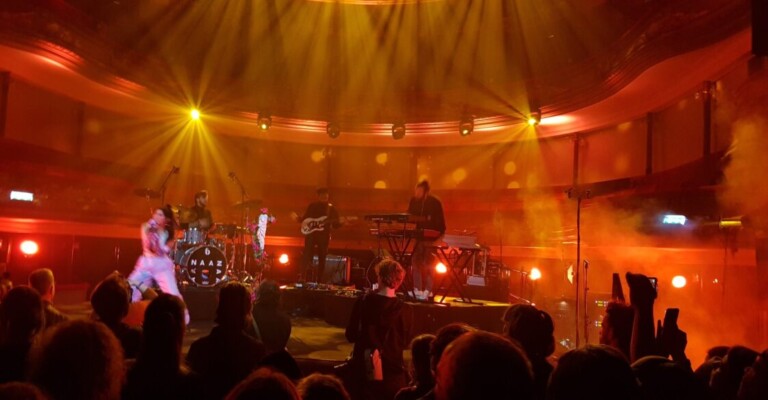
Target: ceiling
x=367, y=64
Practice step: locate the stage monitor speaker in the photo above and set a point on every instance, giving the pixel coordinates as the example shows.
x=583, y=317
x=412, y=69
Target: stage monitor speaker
x=337, y=269
x=760, y=27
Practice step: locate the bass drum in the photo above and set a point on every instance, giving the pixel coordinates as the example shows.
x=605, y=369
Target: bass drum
x=204, y=266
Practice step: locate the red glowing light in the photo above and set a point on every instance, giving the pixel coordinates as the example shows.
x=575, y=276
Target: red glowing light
x=535, y=274
x=283, y=259
x=29, y=247
x=441, y=268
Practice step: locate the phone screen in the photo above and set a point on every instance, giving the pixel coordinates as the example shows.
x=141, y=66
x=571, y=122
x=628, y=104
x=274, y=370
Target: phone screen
x=670, y=317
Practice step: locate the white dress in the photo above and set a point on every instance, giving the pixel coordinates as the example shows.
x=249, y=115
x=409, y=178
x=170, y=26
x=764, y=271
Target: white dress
x=154, y=265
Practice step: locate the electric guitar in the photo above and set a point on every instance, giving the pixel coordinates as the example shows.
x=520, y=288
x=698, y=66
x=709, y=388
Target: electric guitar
x=311, y=225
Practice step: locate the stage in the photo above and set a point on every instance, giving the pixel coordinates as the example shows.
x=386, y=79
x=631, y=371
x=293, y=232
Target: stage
x=335, y=307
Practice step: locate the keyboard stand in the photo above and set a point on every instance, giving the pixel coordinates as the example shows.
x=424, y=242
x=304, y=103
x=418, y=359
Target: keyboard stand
x=455, y=260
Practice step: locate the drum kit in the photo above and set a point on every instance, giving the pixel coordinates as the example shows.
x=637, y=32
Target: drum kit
x=211, y=257
x=208, y=258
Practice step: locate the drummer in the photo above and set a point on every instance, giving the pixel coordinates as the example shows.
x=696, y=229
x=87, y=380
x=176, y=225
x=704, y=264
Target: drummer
x=200, y=216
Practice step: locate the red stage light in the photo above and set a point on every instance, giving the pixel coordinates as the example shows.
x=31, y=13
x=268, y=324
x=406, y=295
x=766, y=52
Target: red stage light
x=283, y=259
x=535, y=274
x=441, y=268
x=29, y=247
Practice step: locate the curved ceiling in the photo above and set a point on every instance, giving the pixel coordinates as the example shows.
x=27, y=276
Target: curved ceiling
x=366, y=64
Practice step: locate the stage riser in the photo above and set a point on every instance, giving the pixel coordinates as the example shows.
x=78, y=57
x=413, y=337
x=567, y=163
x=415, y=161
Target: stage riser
x=419, y=318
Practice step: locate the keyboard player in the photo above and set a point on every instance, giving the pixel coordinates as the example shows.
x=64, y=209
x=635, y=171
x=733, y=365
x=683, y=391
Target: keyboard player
x=430, y=209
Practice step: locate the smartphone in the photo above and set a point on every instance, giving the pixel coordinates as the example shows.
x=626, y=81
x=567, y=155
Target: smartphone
x=617, y=293
x=670, y=317
x=654, y=283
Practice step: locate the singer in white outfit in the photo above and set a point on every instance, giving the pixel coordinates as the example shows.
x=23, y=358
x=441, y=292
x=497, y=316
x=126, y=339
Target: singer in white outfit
x=155, y=263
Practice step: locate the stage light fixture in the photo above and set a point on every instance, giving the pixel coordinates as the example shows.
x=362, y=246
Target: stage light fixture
x=466, y=126
x=333, y=130
x=283, y=259
x=194, y=114
x=672, y=219
x=535, y=118
x=18, y=195
x=679, y=282
x=29, y=247
x=535, y=274
x=440, y=268
x=398, y=130
x=264, y=121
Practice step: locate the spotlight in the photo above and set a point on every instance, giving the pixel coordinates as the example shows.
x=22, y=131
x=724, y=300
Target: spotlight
x=333, y=130
x=440, y=268
x=679, y=282
x=466, y=126
x=535, y=274
x=672, y=219
x=194, y=114
x=535, y=118
x=29, y=247
x=283, y=259
x=398, y=130
x=22, y=196
x=264, y=121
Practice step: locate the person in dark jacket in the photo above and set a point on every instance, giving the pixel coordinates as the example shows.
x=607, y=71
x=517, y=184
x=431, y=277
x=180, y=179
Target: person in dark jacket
x=377, y=326
x=227, y=355
x=42, y=281
x=429, y=211
x=270, y=325
x=319, y=219
x=21, y=321
x=110, y=301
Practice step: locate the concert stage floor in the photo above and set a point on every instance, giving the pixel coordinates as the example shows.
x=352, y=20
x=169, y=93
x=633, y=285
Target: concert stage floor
x=335, y=307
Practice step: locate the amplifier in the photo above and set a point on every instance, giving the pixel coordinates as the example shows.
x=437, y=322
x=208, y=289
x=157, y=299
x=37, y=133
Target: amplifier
x=337, y=269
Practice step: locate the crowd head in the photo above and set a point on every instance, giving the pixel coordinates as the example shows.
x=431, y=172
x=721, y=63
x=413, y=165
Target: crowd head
x=164, y=329
x=42, y=280
x=264, y=384
x=391, y=274
x=483, y=365
x=532, y=328
x=596, y=372
x=21, y=315
x=268, y=294
x=234, y=306
x=322, y=387
x=616, y=327
x=111, y=299
x=78, y=360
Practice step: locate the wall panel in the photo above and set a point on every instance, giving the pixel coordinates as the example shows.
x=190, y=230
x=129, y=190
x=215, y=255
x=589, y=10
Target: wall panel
x=41, y=118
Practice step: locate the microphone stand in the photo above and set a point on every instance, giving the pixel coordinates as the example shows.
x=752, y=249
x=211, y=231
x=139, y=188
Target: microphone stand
x=245, y=216
x=580, y=195
x=174, y=170
x=586, y=303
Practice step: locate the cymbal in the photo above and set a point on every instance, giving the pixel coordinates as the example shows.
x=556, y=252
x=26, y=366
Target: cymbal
x=248, y=204
x=147, y=192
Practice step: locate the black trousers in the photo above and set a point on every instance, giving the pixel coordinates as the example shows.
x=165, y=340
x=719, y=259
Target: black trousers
x=315, y=244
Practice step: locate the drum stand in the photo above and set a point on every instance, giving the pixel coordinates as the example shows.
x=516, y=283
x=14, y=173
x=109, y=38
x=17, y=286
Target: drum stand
x=240, y=240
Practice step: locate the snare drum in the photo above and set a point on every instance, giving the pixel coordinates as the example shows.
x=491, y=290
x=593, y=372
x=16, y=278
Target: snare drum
x=194, y=236
x=205, y=266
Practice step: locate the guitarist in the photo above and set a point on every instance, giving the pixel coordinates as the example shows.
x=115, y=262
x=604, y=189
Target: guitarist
x=316, y=242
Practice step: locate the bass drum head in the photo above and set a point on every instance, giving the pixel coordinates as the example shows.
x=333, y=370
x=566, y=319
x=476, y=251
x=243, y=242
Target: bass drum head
x=205, y=266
